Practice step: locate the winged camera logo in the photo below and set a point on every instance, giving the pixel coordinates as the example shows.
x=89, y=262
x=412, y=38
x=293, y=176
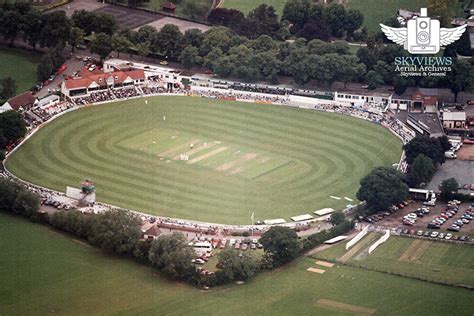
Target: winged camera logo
x=423, y=35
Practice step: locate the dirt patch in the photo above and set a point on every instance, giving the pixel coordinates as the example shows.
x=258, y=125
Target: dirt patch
x=176, y=149
x=355, y=249
x=415, y=251
x=466, y=152
x=207, y=155
x=82, y=243
x=325, y=263
x=231, y=164
x=344, y=307
x=320, y=271
x=195, y=150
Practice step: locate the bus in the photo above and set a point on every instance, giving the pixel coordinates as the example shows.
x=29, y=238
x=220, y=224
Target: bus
x=202, y=248
x=420, y=194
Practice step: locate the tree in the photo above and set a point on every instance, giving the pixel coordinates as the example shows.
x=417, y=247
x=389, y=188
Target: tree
x=354, y=21
x=94, y=22
x=282, y=243
x=444, y=142
x=263, y=20
x=336, y=17
x=461, y=78
x=12, y=125
x=167, y=41
x=10, y=26
x=101, y=45
x=314, y=30
x=449, y=188
x=45, y=68
x=120, y=44
x=430, y=147
x=194, y=9
x=337, y=218
x=32, y=27
x=190, y=57
x=3, y=140
x=172, y=255
x=77, y=37
x=236, y=266
x=231, y=18
x=26, y=203
x=143, y=49
x=374, y=79
x=116, y=230
x=8, y=87
x=210, y=60
x=381, y=188
x=421, y=171
x=191, y=37
x=56, y=28
x=296, y=12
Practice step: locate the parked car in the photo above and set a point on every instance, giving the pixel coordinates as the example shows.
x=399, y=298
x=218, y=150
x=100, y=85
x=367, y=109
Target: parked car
x=448, y=236
x=434, y=234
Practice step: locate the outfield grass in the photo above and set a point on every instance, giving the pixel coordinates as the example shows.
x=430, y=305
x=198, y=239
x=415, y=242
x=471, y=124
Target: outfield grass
x=248, y=5
x=155, y=5
x=20, y=65
x=44, y=272
x=439, y=261
x=272, y=160
x=377, y=11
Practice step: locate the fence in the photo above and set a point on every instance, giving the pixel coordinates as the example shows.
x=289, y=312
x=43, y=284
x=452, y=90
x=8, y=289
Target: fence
x=358, y=237
x=380, y=241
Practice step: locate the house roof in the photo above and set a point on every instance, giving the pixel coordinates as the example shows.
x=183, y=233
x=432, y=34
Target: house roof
x=153, y=231
x=86, y=78
x=168, y=5
x=454, y=116
x=428, y=91
x=23, y=100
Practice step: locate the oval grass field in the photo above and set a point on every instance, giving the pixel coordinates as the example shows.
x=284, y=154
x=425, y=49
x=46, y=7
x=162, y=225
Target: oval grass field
x=207, y=160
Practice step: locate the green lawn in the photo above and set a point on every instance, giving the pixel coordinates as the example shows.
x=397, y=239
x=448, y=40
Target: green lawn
x=439, y=261
x=272, y=160
x=20, y=65
x=248, y=5
x=155, y=5
x=43, y=272
x=377, y=11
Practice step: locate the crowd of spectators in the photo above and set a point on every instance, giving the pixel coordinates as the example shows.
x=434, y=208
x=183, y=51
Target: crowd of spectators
x=241, y=96
x=95, y=97
x=36, y=116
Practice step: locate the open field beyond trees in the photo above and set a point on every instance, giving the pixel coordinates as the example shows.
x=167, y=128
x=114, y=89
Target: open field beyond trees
x=432, y=260
x=248, y=5
x=378, y=11
x=57, y=274
x=272, y=160
x=20, y=65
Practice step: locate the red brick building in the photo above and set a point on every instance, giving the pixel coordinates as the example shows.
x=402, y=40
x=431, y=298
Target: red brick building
x=425, y=100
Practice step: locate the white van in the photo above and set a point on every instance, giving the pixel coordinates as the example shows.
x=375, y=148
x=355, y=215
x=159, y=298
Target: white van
x=450, y=155
x=430, y=202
